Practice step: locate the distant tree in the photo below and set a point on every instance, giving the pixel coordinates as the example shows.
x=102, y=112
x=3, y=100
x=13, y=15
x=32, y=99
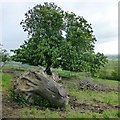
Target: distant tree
x=47, y=46
x=4, y=57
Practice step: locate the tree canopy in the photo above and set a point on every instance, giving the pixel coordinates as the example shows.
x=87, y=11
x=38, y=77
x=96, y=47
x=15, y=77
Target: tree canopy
x=58, y=39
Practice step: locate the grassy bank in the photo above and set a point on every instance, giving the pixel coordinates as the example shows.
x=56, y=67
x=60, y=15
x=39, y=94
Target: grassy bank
x=84, y=103
x=6, y=81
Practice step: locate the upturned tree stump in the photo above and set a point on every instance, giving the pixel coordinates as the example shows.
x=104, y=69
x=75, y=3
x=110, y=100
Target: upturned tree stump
x=34, y=84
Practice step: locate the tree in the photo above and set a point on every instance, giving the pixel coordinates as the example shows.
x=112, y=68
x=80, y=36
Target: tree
x=49, y=47
x=4, y=56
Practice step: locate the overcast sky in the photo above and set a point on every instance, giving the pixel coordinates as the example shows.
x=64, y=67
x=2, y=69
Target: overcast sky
x=102, y=14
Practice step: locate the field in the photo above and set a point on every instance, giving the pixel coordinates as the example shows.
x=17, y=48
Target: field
x=86, y=101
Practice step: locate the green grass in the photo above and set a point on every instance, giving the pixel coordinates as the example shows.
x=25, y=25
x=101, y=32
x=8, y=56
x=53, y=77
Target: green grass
x=71, y=82
x=34, y=113
x=69, y=74
x=111, y=114
x=89, y=96
x=6, y=78
x=69, y=113
x=16, y=66
x=110, y=71
x=112, y=83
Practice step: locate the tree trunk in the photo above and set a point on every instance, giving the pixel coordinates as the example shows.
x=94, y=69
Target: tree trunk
x=36, y=83
x=48, y=70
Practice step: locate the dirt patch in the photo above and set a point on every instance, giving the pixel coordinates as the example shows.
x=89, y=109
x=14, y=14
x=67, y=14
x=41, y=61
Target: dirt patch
x=15, y=74
x=98, y=107
x=9, y=108
x=87, y=84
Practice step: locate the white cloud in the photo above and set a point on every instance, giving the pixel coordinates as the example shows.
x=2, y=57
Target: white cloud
x=110, y=47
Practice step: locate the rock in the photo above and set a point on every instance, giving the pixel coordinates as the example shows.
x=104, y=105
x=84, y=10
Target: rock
x=56, y=77
x=88, y=84
x=34, y=84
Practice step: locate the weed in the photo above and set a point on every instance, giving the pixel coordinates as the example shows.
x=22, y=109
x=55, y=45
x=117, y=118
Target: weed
x=69, y=74
x=111, y=114
x=33, y=111
x=6, y=79
x=110, y=71
x=43, y=102
x=18, y=98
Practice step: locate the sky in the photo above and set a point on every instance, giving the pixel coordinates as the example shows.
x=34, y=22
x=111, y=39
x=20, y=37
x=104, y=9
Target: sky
x=102, y=14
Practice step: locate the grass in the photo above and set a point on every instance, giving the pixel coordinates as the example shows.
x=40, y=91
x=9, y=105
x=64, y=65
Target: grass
x=90, y=96
x=35, y=113
x=6, y=78
x=69, y=113
x=71, y=82
x=112, y=83
x=69, y=74
x=111, y=114
x=110, y=70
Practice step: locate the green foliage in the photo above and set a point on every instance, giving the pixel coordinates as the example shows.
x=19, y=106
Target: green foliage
x=4, y=56
x=18, y=98
x=110, y=71
x=43, y=102
x=47, y=46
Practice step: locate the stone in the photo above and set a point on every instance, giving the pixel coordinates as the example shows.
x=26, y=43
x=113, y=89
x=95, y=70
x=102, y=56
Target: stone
x=56, y=77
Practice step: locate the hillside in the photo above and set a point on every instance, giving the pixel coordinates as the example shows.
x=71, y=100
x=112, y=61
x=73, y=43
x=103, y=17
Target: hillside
x=89, y=97
x=113, y=57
